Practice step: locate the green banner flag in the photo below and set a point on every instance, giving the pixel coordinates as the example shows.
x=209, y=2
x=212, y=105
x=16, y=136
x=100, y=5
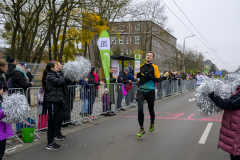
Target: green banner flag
x=104, y=47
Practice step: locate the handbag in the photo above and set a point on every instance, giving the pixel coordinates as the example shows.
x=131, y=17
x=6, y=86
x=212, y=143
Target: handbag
x=128, y=86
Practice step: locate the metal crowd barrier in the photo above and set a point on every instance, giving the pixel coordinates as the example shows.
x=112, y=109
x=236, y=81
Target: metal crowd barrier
x=167, y=88
x=85, y=103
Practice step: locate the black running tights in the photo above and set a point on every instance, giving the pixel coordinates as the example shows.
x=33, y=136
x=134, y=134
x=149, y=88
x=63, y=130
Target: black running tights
x=150, y=101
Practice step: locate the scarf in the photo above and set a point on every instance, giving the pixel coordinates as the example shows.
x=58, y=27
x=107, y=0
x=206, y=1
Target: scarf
x=95, y=78
x=21, y=69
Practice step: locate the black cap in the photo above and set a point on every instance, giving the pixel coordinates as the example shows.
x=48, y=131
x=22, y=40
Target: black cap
x=11, y=60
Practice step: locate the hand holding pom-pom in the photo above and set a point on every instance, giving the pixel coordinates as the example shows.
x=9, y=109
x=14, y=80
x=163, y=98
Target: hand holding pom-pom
x=211, y=95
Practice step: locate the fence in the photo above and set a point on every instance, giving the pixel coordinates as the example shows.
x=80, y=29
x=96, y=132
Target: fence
x=85, y=103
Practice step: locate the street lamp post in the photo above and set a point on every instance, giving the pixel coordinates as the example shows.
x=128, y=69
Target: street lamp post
x=184, y=50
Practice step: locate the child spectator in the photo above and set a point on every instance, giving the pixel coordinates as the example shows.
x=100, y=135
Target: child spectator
x=42, y=118
x=5, y=129
x=106, y=101
x=84, y=95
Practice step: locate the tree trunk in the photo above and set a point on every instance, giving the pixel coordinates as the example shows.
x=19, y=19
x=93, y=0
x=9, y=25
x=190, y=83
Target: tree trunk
x=63, y=37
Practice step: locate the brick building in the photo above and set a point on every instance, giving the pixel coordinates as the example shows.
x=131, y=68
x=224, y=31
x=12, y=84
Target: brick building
x=145, y=36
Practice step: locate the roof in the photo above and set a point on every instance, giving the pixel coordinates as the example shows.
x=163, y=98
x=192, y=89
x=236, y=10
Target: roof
x=121, y=58
x=3, y=49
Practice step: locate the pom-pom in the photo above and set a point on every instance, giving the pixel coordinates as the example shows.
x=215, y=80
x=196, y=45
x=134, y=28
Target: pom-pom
x=78, y=69
x=15, y=108
x=205, y=104
x=224, y=90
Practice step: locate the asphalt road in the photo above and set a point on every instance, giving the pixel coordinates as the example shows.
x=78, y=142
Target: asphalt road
x=178, y=130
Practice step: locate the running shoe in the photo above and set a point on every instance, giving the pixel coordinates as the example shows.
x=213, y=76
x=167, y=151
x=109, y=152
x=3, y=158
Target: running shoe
x=58, y=138
x=151, y=128
x=63, y=137
x=141, y=132
x=53, y=146
x=93, y=116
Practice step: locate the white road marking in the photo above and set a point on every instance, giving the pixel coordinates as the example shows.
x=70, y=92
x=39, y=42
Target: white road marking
x=13, y=149
x=192, y=100
x=205, y=134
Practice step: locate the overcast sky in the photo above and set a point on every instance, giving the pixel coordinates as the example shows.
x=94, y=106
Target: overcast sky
x=219, y=23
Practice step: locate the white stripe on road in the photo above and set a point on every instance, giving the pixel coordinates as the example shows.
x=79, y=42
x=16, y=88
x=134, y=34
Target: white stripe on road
x=205, y=134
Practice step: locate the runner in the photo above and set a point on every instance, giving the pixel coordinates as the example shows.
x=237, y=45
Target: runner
x=199, y=78
x=149, y=74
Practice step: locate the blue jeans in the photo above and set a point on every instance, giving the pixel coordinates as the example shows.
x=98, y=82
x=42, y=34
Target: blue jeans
x=85, y=106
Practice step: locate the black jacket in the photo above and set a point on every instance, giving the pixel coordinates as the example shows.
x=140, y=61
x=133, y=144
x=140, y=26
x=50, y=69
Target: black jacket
x=54, y=85
x=5, y=87
x=19, y=81
x=30, y=76
x=122, y=78
x=11, y=67
x=93, y=84
x=233, y=103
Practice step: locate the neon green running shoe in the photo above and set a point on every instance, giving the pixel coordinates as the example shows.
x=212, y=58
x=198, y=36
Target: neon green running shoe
x=141, y=132
x=151, y=128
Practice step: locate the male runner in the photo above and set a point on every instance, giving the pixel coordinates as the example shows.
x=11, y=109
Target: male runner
x=149, y=74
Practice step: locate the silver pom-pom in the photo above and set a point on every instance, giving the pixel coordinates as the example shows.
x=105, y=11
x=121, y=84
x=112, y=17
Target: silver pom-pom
x=205, y=104
x=15, y=108
x=224, y=90
x=78, y=69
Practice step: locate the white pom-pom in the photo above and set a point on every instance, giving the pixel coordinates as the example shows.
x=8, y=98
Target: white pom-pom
x=78, y=69
x=15, y=108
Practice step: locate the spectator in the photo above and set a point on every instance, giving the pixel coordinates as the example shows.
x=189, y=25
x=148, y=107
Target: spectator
x=199, y=78
x=111, y=86
x=94, y=82
x=20, y=80
x=84, y=95
x=122, y=79
x=55, y=98
x=42, y=118
x=229, y=132
x=29, y=75
x=130, y=93
x=106, y=101
x=5, y=129
x=69, y=93
x=3, y=69
x=8, y=58
x=11, y=66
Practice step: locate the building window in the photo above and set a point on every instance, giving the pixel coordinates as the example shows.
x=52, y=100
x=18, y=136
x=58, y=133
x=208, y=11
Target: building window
x=128, y=39
x=120, y=40
x=113, y=40
x=126, y=52
x=136, y=39
x=121, y=28
x=137, y=27
x=121, y=52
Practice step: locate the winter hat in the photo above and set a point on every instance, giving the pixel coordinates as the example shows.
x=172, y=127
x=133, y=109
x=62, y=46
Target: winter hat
x=126, y=69
x=130, y=68
x=8, y=58
x=1, y=85
x=24, y=64
x=11, y=60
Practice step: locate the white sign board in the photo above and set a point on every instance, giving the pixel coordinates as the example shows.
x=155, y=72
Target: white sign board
x=115, y=66
x=137, y=63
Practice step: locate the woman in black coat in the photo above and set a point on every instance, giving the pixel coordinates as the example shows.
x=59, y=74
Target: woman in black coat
x=54, y=97
x=93, y=81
